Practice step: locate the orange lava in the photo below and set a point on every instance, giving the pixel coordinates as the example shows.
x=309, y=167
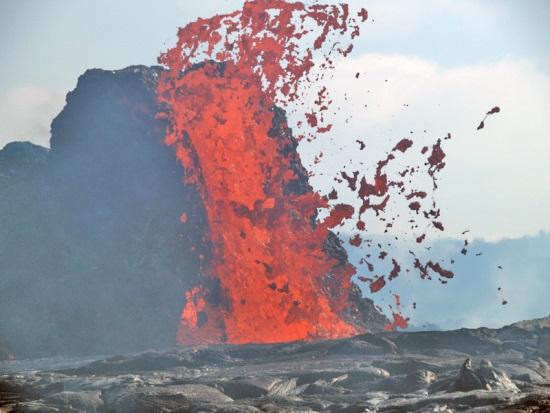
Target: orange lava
x=399, y=321
x=268, y=259
x=268, y=279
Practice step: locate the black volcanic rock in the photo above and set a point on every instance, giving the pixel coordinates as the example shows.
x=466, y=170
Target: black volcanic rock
x=21, y=158
x=485, y=377
x=93, y=256
x=24, y=233
x=289, y=377
x=467, y=379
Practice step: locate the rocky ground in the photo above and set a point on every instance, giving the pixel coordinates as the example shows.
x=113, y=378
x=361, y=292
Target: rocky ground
x=481, y=370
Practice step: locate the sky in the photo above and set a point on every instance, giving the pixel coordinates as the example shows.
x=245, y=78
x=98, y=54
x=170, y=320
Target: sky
x=434, y=65
x=449, y=61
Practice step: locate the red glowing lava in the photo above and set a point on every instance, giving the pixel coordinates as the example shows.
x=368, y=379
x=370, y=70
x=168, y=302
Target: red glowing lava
x=268, y=278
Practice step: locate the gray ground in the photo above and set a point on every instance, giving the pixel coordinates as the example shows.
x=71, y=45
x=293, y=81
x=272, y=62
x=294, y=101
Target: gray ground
x=481, y=370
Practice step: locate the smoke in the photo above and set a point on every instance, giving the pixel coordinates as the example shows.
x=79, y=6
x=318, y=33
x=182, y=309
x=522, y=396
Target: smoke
x=26, y=113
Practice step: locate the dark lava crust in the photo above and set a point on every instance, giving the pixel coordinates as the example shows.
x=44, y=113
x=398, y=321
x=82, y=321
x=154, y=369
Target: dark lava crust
x=481, y=370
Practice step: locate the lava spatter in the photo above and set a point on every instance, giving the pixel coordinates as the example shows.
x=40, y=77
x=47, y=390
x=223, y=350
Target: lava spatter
x=399, y=320
x=495, y=109
x=268, y=279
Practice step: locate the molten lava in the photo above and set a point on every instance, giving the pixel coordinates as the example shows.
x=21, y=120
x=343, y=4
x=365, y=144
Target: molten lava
x=268, y=278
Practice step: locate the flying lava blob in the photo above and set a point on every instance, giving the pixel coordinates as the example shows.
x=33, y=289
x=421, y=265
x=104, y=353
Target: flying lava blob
x=269, y=277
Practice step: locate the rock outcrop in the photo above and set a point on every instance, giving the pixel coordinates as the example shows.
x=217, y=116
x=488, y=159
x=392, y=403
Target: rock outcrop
x=485, y=377
x=94, y=257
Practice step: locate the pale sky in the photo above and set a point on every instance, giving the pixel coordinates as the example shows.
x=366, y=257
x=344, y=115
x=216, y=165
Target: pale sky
x=449, y=61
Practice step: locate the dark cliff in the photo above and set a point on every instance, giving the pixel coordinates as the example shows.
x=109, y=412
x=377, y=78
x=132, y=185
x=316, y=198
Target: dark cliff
x=93, y=256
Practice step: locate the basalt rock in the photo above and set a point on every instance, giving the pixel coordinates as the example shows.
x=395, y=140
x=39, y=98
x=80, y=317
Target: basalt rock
x=94, y=259
x=485, y=377
x=288, y=377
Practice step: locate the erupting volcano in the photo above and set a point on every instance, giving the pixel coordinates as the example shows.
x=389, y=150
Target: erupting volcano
x=267, y=256
x=269, y=277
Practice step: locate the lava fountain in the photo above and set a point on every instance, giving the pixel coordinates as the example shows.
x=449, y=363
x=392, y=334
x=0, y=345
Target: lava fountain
x=269, y=278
